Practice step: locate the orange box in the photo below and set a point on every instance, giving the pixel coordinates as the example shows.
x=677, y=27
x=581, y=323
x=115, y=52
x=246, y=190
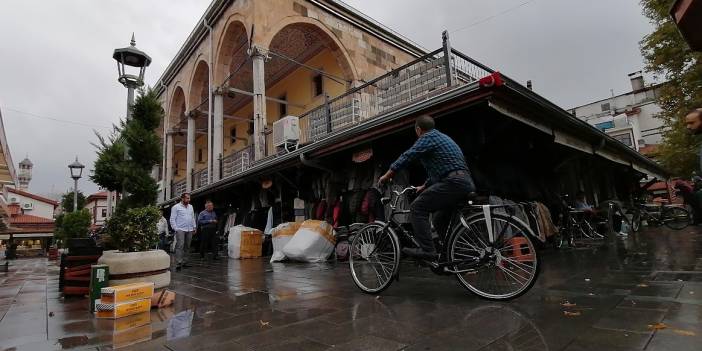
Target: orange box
x=106, y=310
x=127, y=292
x=251, y=244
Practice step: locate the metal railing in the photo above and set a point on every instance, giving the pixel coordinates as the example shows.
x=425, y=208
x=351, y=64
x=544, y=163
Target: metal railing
x=237, y=162
x=200, y=179
x=177, y=188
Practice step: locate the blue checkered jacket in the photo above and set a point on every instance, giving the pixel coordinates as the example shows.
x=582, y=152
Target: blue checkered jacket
x=437, y=152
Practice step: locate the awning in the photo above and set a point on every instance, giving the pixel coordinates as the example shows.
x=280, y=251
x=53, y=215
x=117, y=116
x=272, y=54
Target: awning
x=613, y=157
x=571, y=141
x=501, y=108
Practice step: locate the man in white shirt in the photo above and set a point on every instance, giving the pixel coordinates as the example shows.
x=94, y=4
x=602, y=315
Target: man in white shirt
x=183, y=222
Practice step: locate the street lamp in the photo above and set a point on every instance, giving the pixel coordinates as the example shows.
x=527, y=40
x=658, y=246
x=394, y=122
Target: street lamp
x=133, y=57
x=76, y=172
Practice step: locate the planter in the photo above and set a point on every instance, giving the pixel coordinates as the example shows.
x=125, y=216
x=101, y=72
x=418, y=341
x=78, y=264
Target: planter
x=133, y=267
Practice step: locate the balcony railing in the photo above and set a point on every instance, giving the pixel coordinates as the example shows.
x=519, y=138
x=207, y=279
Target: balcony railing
x=237, y=162
x=178, y=188
x=416, y=81
x=200, y=179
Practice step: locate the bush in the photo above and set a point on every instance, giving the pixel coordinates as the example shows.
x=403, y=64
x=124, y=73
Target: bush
x=73, y=225
x=134, y=229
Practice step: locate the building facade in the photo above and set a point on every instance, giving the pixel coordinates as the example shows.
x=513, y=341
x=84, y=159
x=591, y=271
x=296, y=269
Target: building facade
x=25, y=173
x=630, y=117
x=97, y=206
x=33, y=204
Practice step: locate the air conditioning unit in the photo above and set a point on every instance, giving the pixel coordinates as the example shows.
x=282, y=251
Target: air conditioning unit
x=286, y=131
x=13, y=200
x=27, y=206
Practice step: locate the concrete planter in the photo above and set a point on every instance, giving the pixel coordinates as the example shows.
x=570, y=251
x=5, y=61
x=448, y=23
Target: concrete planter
x=133, y=267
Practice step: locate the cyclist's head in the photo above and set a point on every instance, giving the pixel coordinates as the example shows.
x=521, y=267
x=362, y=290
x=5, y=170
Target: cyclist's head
x=693, y=121
x=423, y=124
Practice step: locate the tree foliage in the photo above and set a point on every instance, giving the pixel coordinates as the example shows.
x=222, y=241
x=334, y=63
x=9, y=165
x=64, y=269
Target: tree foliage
x=132, y=227
x=669, y=57
x=72, y=224
x=67, y=201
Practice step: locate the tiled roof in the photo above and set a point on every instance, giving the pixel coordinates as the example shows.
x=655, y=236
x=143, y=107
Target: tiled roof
x=29, y=219
x=13, y=209
x=97, y=196
x=33, y=196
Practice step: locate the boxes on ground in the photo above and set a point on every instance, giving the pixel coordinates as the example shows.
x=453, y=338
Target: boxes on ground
x=119, y=310
x=281, y=236
x=244, y=242
x=313, y=242
x=127, y=292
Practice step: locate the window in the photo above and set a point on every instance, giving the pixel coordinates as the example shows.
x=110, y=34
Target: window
x=283, y=107
x=605, y=107
x=199, y=155
x=317, y=85
x=624, y=139
x=232, y=135
x=104, y=213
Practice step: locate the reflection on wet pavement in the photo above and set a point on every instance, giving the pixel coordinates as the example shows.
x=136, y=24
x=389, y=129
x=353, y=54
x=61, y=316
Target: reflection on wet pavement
x=640, y=292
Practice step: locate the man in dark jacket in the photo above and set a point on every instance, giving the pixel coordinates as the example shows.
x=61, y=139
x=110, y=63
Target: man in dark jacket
x=449, y=183
x=207, y=224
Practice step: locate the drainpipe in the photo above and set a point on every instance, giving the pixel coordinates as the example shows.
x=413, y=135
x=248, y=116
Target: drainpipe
x=209, y=108
x=164, y=155
x=309, y=163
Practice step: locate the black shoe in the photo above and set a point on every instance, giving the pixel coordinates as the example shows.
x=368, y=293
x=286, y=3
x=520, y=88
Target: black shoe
x=419, y=253
x=178, y=268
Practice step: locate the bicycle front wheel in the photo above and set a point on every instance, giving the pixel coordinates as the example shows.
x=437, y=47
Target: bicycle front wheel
x=676, y=218
x=374, y=258
x=508, y=267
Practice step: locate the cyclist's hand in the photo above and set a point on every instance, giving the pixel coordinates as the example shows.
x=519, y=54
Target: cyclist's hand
x=420, y=188
x=384, y=180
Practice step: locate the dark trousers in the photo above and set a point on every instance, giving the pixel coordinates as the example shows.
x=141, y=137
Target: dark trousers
x=208, y=240
x=440, y=199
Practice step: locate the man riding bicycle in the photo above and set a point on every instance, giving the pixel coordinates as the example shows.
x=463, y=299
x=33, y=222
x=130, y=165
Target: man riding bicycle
x=448, y=183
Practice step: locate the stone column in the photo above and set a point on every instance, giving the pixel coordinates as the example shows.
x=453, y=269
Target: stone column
x=168, y=169
x=217, y=134
x=190, y=153
x=259, y=102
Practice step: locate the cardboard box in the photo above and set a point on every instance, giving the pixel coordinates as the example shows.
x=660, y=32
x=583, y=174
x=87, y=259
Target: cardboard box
x=251, y=244
x=119, y=310
x=128, y=292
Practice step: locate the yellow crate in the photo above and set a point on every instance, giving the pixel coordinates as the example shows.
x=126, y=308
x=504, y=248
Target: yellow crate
x=127, y=292
x=104, y=310
x=251, y=244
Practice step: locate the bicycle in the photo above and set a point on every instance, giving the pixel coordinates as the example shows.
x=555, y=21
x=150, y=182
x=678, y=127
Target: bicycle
x=672, y=216
x=491, y=254
x=575, y=228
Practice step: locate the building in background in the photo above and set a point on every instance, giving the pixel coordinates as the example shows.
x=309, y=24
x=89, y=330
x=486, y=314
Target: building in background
x=687, y=15
x=97, y=206
x=8, y=179
x=629, y=117
x=25, y=173
x=33, y=204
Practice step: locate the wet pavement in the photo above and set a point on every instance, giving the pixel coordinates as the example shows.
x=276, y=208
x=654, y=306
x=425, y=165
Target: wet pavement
x=641, y=293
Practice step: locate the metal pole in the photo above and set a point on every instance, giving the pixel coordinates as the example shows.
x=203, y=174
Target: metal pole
x=130, y=101
x=447, y=58
x=75, y=195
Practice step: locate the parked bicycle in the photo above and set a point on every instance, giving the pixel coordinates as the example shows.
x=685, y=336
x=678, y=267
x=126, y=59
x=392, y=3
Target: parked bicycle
x=672, y=216
x=576, y=227
x=491, y=254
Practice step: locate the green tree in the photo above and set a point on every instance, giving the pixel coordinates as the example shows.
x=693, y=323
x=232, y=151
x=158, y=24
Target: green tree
x=132, y=175
x=72, y=224
x=669, y=57
x=67, y=201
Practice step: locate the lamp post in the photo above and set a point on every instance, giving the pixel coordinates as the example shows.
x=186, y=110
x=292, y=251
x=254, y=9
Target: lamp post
x=76, y=172
x=131, y=57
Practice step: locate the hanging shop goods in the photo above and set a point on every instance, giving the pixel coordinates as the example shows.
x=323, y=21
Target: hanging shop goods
x=281, y=236
x=244, y=242
x=299, y=209
x=134, y=267
x=313, y=242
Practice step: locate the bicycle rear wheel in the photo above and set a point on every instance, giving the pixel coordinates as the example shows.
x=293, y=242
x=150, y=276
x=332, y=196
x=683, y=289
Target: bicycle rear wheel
x=676, y=218
x=374, y=258
x=509, y=267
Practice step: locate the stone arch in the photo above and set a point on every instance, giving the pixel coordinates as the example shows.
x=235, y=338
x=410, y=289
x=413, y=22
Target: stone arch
x=199, y=84
x=322, y=32
x=234, y=36
x=177, y=107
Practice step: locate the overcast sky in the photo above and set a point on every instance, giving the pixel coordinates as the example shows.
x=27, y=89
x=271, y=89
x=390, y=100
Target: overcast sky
x=56, y=58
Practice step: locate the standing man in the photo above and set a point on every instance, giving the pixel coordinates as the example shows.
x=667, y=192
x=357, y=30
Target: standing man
x=207, y=222
x=693, y=123
x=183, y=222
x=449, y=183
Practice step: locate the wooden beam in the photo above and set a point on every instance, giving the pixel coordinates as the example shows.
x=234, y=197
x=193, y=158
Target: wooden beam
x=239, y=91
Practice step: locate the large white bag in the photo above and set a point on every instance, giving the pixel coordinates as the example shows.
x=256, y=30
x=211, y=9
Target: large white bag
x=234, y=240
x=281, y=236
x=313, y=242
